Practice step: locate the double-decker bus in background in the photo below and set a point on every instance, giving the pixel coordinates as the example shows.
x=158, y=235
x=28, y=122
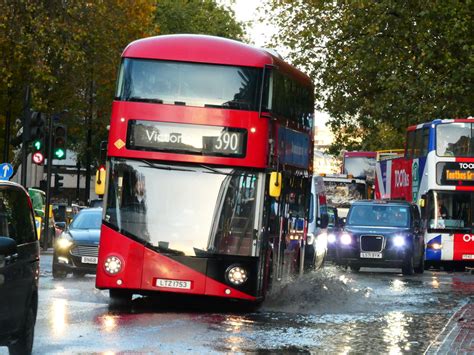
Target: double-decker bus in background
x=360, y=165
x=342, y=189
x=437, y=172
x=208, y=170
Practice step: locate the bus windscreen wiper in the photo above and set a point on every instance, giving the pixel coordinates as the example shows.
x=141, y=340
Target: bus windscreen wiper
x=164, y=167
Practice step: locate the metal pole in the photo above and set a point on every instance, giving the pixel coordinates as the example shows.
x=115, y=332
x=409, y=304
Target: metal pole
x=26, y=133
x=48, y=183
x=8, y=118
x=78, y=184
x=89, y=140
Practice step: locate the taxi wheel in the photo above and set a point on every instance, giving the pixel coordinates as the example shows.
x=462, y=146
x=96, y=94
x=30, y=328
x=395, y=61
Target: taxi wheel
x=421, y=266
x=408, y=268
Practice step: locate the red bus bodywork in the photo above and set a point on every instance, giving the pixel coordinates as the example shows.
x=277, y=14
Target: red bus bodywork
x=141, y=265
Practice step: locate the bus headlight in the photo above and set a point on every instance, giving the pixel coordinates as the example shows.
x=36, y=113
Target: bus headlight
x=398, y=241
x=113, y=265
x=236, y=275
x=435, y=246
x=346, y=239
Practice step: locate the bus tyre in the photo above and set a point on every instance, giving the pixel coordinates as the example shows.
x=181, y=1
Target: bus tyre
x=408, y=268
x=421, y=266
x=119, y=297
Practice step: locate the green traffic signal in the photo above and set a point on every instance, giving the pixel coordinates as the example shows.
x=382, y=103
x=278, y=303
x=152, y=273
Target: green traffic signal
x=37, y=144
x=59, y=153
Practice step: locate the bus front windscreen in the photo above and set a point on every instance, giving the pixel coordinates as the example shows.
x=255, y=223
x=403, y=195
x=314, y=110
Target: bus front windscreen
x=342, y=193
x=190, y=84
x=455, y=139
x=182, y=209
x=450, y=211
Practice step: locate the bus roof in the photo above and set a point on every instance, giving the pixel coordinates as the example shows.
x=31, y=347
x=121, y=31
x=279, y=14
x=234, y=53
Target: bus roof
x=207, y=49
x=439, y=121
x=360, y=154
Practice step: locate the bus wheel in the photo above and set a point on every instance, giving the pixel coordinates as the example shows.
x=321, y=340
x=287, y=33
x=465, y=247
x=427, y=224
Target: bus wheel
x=119, y=297
x=355, y=268
x=408, y=268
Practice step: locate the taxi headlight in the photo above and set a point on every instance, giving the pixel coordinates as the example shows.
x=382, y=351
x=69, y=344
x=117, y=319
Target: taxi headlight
x=346, y=239
x=113, y=265
x=331, y=238
x=236, y=275
x=398, y=241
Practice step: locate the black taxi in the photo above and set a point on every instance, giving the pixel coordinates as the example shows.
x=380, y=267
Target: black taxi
x=19, y=269
x=382, y=233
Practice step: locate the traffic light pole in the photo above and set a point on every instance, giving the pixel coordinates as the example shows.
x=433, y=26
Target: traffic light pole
x=25, y=139
x=48, y=184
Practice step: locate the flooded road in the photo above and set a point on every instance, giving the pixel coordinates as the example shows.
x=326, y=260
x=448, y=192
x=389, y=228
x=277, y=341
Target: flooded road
x=331, y=310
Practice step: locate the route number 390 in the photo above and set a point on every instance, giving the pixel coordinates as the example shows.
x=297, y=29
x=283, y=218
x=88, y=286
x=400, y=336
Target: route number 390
x=227, y=141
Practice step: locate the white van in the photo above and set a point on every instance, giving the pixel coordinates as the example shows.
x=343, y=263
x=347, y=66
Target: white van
x=316, y=245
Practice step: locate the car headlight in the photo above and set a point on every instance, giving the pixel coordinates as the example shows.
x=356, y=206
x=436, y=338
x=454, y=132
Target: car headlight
x=331, y=238
x=236, y=275
x=64, y=241
x=399, y=241
x=346, y=239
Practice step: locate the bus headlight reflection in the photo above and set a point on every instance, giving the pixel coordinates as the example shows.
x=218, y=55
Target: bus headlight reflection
x=113, y=265
x=237, y=275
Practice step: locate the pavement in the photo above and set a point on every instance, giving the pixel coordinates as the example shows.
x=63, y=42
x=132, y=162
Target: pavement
x=457, y=337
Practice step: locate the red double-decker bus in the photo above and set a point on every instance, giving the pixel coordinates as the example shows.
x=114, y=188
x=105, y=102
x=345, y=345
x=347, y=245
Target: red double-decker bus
x=199, y=127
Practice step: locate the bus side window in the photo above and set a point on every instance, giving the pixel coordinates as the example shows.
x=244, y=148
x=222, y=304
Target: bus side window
x=410, y=144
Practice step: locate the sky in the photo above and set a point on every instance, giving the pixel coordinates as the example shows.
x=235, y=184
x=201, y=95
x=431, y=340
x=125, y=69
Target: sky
x=260, y=33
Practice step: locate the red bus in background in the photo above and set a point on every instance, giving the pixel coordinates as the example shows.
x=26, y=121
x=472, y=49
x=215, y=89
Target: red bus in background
x=360, y=165
x=208, y=170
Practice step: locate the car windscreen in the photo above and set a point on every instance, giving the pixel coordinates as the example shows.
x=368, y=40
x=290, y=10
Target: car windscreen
x=379, y=215
x=87, y=220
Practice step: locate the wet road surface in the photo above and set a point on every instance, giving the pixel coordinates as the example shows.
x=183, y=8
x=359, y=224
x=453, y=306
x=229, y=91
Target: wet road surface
x=331, y=310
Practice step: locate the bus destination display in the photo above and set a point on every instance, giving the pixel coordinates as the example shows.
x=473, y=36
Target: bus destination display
x=186, y=138
x=455, y=173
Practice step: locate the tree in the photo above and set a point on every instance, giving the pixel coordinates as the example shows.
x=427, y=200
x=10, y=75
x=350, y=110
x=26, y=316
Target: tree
x=380, y=66
x=197, y=17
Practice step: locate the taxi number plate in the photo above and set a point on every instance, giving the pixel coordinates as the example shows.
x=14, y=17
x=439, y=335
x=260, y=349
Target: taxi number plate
x=468, y=256
x=371, y=254
x=89, y=260
x=185, y=285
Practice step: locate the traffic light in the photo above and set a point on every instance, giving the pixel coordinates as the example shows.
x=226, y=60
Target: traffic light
x=36, y=134
x=59, y=135
x=58, y=182
x=36, y=127
x=100, y=181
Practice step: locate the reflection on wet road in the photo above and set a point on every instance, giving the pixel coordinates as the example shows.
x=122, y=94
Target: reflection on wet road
x=332, y=311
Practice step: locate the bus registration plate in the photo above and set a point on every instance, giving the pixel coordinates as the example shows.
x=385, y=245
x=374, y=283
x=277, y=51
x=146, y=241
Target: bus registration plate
x=185, y=285
x=468, y=256
x=89, y=260
x=371, y=254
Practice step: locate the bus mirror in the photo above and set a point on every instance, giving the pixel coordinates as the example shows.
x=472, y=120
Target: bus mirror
x=323, y=221
x=421, y=202
x=275, y=184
